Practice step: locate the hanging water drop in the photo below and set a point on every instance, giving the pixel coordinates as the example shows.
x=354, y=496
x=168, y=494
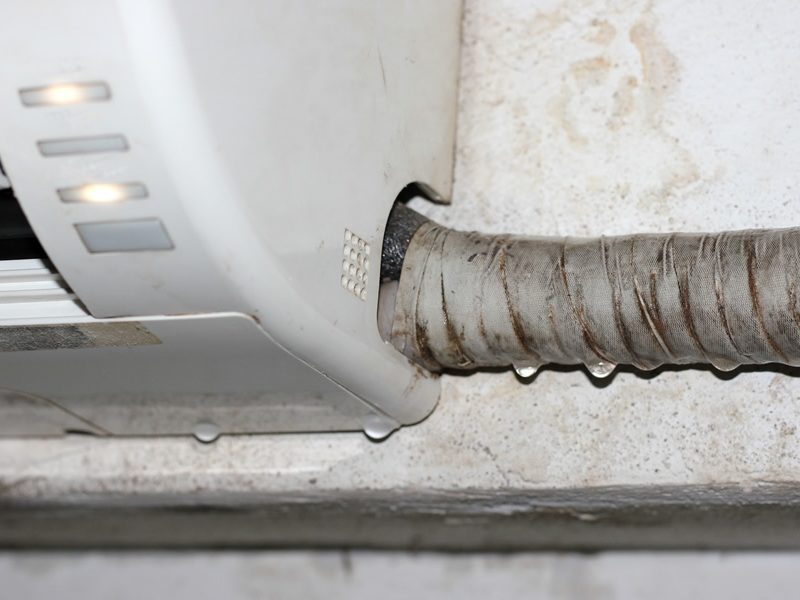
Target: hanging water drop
x=724, y=364
x=378, y=427
x=526, y=371
x=601, y=369
x=206, y=432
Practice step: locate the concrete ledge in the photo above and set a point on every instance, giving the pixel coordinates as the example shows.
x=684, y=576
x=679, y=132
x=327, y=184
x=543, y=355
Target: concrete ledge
x=642, y=461
x=664, y=518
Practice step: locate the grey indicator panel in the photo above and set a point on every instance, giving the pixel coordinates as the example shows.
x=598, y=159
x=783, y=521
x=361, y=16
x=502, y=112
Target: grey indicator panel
x=83, y=145
x=124, y=236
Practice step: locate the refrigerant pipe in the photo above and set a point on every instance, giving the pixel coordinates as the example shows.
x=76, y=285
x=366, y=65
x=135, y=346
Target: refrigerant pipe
x=468, y=300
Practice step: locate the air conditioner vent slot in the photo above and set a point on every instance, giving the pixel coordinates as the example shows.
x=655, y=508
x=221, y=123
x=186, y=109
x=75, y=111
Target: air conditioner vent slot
x=33, y=289
x=17, y=239
x=30, y=286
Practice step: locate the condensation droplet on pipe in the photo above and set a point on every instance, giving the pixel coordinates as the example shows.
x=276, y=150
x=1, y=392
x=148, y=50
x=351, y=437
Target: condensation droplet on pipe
x=725, y=365
x=206, y=432
x=526, y=371
x=601, y=369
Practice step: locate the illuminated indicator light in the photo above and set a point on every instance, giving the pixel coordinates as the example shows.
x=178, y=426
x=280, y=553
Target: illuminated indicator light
x=103, y=193
x=61, y=94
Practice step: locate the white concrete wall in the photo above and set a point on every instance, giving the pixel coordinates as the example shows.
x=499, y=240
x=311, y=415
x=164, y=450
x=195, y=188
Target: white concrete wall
x=588, y=117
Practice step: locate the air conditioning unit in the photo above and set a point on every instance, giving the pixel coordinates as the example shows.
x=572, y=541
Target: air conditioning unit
x=204, y=186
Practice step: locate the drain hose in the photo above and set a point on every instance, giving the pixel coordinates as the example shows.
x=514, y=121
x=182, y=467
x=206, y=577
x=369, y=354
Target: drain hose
x=468, y=300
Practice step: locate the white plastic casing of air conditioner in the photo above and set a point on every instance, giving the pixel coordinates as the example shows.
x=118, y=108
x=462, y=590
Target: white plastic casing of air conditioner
x=236, y=289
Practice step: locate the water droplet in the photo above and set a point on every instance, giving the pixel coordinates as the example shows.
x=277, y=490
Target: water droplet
x=601, y=369
x=378, y=427
x=723, y=364
x=526, y=371
x=206, y=432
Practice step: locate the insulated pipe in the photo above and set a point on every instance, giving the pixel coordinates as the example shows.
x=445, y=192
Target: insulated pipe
x=468, y=300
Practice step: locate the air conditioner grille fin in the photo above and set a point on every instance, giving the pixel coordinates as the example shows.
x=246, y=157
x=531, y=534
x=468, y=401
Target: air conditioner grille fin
x=33, y=289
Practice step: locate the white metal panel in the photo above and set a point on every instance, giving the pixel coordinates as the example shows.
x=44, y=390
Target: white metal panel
x=220, y=369
x=262, y=131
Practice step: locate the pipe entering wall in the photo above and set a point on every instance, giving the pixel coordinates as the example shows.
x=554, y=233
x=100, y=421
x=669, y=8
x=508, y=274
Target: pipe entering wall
x=467, y=300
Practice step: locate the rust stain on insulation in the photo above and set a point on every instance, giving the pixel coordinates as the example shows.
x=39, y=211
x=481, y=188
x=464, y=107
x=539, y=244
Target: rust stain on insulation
x=752, y=285
x=551, y=318
x=452, y=336
x=655, y=313
x=686, y=310
x=719, y=295
x=645, y=314
x=423, y=343
x=793, y=303
x=482, y=330
x=421, y=340
x=616, y=303
x=516, y=322
x=588, y=336
x=624, y=334
x=644, y=307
